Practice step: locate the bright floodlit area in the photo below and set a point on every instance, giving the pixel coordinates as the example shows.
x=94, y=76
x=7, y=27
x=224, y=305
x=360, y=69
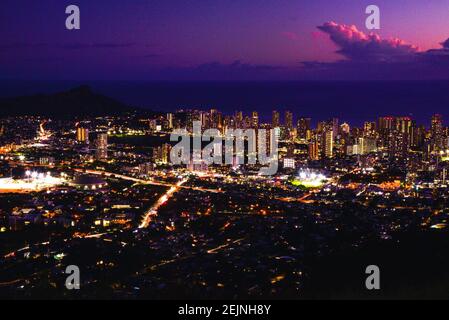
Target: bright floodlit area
x=309, y=179
x=33, y=181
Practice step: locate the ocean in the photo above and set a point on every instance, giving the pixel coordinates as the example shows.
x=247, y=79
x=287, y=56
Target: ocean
x=353, y=102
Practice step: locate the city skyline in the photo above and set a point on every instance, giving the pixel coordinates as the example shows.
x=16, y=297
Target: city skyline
x=241, y=151
x=102, y=193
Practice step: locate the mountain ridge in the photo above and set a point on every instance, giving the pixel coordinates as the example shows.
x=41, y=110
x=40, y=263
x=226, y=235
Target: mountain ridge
x=80, y=101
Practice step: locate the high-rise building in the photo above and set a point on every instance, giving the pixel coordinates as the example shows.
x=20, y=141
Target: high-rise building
x=219, y=120
x=314, y=150
x=335, y=128
x=170, y=120
x=152, y=124
x=303, y=126
x=101, y=145
x=288, y=120
x=386, y=123
x=192, y=116
x=436, y=132
x=385, y=128
x=238, y=119
x=161, y=154
x=276, y=119
x=166, y=147
x=205, y=120
x=329, y=125
x=82, y=135
x=363, y=146
x=327, y=147
x=405, y=127
x=247, y=122
x=345, y=128
x=369, y=128
x=215, y=119
x=255, y=119
x=420, y=137
x=403, y=124
x=228, y=123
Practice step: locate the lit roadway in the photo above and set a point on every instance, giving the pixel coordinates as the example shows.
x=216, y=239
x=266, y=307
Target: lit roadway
x=146, y=220
x=121, y=176
x=163, y=184
x=153, y=210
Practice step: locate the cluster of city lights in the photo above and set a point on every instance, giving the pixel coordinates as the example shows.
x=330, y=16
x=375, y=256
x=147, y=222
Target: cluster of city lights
x=37, y=175
x=94, y=187
x=34, y=181
x=309, y=179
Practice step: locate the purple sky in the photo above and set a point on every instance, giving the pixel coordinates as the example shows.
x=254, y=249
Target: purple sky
x=223, y=40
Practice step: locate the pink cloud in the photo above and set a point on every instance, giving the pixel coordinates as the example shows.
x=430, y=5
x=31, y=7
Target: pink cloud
x=357, y=45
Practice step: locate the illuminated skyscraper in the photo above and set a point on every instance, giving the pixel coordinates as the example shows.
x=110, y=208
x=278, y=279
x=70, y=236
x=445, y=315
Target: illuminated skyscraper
x=215, y=119
x=345, y=128
x=321, y=127
x=303, y=126
x=192, y=116
x=335, y=127
x=288, y=120
x=329, y=125
x=82, y=135
x=386, y=123
x=364, y=146
x=406, y=127
x=369, y=128
x=385, y=129
x=255, y=119
x=238, y=119
x=403, y=124
x=161, y=154
x=327, y=147
x=166, y=147
x=228, y=123
x=101, y=145
x=314, y=150
x=420, y=137
x=219, y=120
x=170, y=120
x=276, y=119
x=205, y=120
x=247, y=122
x=436, y=132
